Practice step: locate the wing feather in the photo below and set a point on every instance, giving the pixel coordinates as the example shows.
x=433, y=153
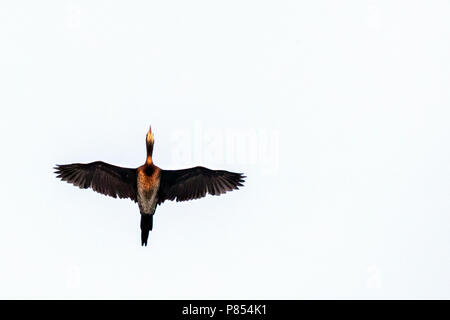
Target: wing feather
x=195, y=183
x=102, y=177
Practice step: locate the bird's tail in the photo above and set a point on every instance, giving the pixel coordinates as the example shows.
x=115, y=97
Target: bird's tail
x=146, y=227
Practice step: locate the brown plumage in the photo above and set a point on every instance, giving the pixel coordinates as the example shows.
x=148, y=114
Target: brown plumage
x=148, y=185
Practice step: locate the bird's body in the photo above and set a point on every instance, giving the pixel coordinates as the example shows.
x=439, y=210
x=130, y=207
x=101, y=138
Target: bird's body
x=149, y=185
x=148, y=179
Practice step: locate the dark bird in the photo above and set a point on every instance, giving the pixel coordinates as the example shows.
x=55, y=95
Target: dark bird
x=149, y=185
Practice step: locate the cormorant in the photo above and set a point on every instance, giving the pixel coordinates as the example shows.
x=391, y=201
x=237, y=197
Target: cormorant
x=149, y=185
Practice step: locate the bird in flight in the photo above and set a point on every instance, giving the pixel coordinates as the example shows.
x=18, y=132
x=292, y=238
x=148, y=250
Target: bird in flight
x=149, y=185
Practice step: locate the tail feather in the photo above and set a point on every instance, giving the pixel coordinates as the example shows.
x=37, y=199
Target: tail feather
x=146, y=227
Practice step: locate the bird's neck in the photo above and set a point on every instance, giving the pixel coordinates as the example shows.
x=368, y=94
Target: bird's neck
x=149, y=153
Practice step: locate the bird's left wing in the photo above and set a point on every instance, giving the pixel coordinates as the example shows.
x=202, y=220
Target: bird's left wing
x=102, y=177
x=194, y=183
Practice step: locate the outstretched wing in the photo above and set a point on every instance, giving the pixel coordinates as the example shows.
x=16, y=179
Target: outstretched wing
x=194, y=183
x=102, y=177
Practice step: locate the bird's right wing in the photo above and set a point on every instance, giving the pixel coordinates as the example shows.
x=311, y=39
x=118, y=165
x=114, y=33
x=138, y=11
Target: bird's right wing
x=102, y=177
x=194, y=183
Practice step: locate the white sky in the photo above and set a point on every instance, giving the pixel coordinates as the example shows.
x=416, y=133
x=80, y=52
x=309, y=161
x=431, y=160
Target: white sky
x=343, y=110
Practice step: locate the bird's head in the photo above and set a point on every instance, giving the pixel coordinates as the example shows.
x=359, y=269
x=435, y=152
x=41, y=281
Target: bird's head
x=149, y=142
x=150, y=139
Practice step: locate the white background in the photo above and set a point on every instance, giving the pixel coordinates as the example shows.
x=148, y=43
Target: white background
x=351, y=97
